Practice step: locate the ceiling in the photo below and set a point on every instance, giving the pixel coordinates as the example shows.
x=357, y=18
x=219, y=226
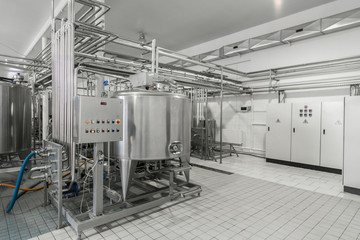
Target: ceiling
x=175, y=24
x=179, y=24
x=21, y=22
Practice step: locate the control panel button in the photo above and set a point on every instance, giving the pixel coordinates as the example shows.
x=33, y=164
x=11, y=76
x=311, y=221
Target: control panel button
x=103, y=121
x=87, y=122
x=118, y=121
x=305, y=115
x=97, y=121
x=113, y=121
x=86, y=131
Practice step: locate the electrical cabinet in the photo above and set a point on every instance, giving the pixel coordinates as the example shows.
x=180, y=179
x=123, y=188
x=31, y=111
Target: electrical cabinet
x=305, y=143
x=352, y=142
x=278, y=136
x=98, y=119
x=332, y=134
x=307, y=133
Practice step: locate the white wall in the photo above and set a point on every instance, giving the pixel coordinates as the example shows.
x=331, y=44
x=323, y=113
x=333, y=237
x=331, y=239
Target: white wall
x=249, y=128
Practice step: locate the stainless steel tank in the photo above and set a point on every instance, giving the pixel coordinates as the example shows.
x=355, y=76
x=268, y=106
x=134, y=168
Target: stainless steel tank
x=15, y=120
x=157, y=126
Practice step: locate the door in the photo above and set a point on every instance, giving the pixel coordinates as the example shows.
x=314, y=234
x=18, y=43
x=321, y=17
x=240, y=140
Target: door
x=278, y=136
x=332, y=134
x=352, y=142
x=305, y=143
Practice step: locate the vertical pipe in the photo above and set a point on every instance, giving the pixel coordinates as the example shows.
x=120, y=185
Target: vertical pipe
x=157, y=60
x=221, y=112
x=153, y=55
x=98, y=180
x=45, y=115
x=206, y=125
x=33, y=112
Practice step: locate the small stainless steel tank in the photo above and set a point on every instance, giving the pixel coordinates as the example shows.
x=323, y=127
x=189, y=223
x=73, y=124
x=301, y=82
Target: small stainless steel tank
x=15, y=120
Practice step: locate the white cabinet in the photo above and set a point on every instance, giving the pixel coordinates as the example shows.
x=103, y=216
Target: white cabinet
x=352, y=142
x=305, y=144
x=332, y=134
x=278, y=136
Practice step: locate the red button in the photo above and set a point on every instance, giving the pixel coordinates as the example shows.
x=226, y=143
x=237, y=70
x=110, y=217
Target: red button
x=118, y=122
x=103, y=130
x=103, y=121
x=87, y=131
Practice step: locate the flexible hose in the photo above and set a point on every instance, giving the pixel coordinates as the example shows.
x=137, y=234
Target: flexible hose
x=18, y=182
x=39, y=188
x=22, y=189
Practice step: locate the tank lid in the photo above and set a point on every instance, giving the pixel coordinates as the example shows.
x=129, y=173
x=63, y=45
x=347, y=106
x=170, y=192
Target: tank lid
x=147, y=93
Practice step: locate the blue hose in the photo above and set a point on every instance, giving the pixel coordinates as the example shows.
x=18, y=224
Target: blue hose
x=18, y=182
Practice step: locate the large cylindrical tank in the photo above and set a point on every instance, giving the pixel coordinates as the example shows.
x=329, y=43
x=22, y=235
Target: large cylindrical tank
x=157, y=126
x=15, y=120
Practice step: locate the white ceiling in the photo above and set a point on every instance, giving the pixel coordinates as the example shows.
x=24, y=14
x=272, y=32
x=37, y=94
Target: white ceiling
x=21, y=20
x=176, y=24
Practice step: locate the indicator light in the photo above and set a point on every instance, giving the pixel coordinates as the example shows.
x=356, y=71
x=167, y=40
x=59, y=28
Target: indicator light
x=117, y=130
x=108, y=130
x=87, y=122
x=97, y=121
x=103, y=130
x=103, y=103
x=108, y=121
x=113, y=130
x=103, y=121
x=97, y=130
x=113, y=121
x=86, y=131
x=117, y=121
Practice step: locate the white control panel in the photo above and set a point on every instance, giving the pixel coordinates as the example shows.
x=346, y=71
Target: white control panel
x=98, y=119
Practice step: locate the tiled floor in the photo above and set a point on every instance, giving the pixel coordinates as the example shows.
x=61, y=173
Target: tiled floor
x=28, y=218
x=253, y=203
x=255, y=167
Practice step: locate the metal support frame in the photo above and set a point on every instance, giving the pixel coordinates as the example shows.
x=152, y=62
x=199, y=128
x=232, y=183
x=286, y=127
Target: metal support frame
x=173, y=190
x=221, y=115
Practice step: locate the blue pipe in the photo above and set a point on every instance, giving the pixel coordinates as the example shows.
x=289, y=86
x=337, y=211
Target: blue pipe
x=18, y=182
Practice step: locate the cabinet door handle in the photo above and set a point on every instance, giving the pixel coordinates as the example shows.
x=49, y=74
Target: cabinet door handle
x=324, y=131
x=293, y=130
x=268, y=129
